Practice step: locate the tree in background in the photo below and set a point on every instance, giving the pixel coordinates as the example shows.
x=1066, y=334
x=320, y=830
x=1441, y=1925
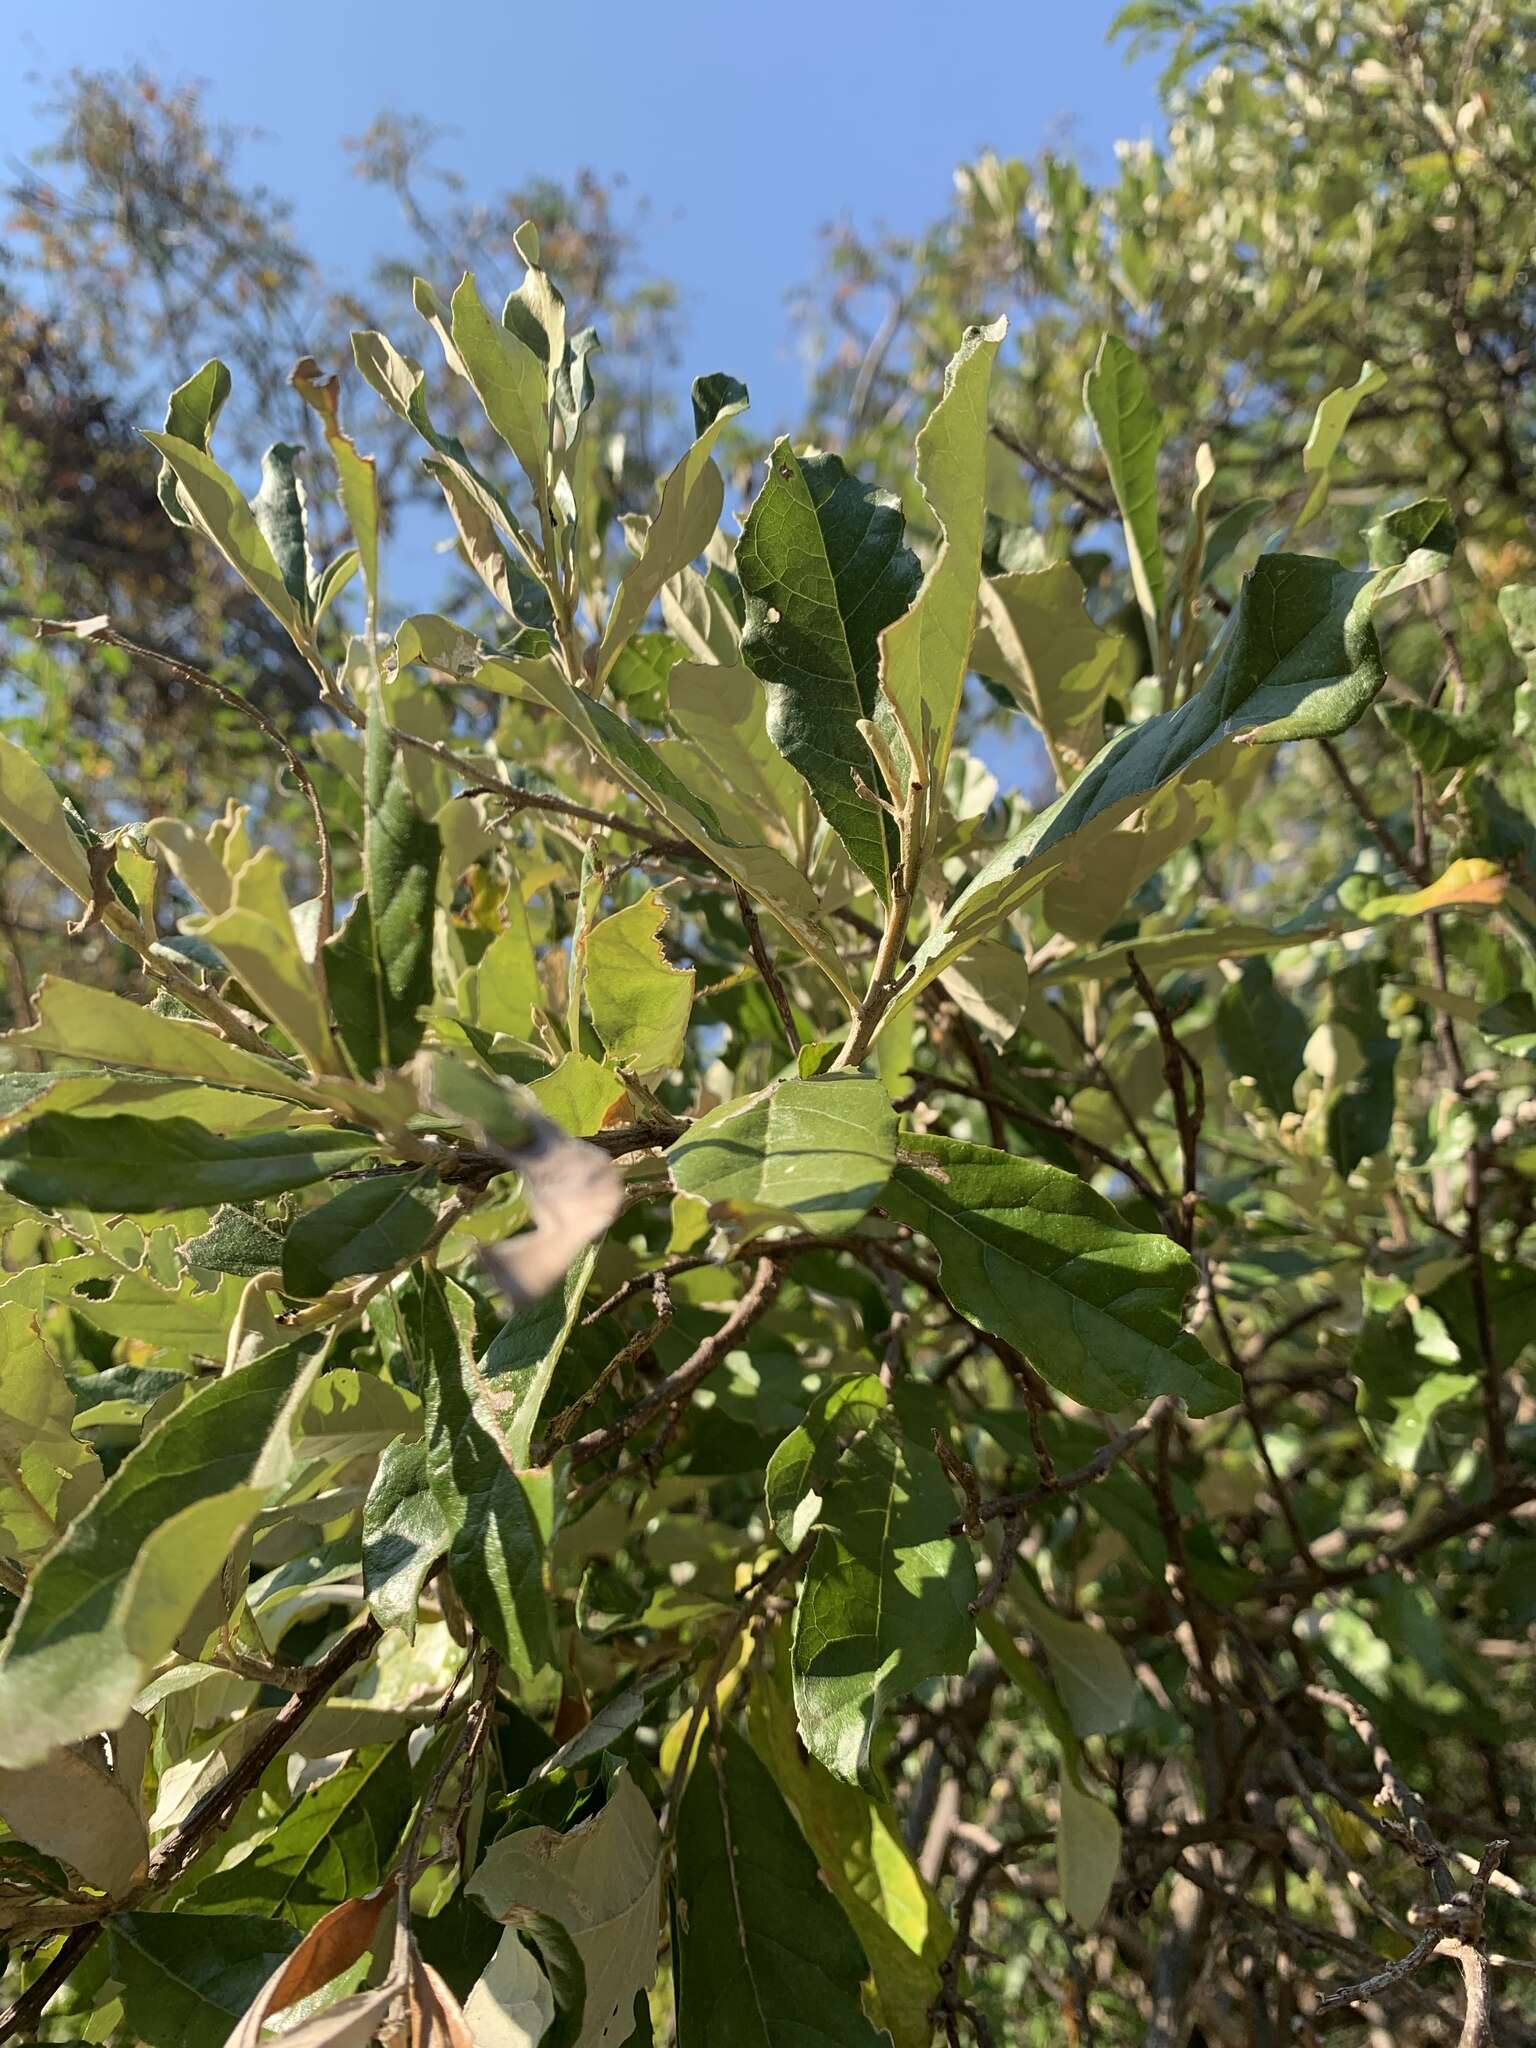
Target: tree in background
x=1339, y=181
x=137, y=247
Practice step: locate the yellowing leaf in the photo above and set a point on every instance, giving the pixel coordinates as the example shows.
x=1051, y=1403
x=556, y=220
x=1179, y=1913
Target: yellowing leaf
x=1465, y=885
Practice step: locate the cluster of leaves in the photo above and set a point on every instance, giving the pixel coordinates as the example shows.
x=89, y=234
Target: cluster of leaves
x=942, y=1449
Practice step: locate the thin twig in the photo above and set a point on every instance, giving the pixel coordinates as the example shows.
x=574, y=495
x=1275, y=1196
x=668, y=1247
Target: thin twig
x=765, y=966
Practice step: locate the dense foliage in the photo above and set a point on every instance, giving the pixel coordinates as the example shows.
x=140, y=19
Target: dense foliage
x=669, y=1366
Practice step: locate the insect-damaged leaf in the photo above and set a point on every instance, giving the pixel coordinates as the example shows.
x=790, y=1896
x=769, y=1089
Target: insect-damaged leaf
x=639, y=1001
x=602, y=1882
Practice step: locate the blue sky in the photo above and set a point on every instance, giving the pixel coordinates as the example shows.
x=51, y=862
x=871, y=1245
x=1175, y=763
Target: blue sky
x=747, y=129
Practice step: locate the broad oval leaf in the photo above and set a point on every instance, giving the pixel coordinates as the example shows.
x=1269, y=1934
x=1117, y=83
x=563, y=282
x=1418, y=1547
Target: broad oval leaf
x=764, y=1953
x=814, y=1152
x=1035, y=1256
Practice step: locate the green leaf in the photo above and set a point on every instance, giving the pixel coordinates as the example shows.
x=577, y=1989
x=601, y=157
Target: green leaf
x=563, y=1969
x=1413, y=542
x=1299, y=660
x=352, y=984
x=924, y=655
x=1087, y=1834
x=722, y=714
x=358, y=474
x=508, y=379
x=639, y=1001
x=501, y=991
x=131, y=1165
x=1130, y=431
x=764, y=1955
x=1360, y=1120
x=602, y=1883
x=370, y=1227
x=511, y=2004
x=638, y=679
x=187, y=1980
x=799, y=1470
x=1399, y=1397
x=111, y=1597
x=687, y=513
x=32, y=811
x=405, y=1532
x=353, y=1414
x=578, y=1093
x=1437, y=740
x=1036, y=1257
x=825, y=570
x=191, y=415
x=901, y=1926
x=1517, y=608
x=1088, y=1666
x=884, y=1603
x=1035, y=639
x=259, y=942
x=814, y=1152
x=1087, y=1848
x=85, y=1023
x=278, y=509
x=1328, y=427
x=402, y=852
x=1262, y=1034
x=496, y=1535
x=46, y=1473
x=480, y=521
x=215, y=507
x=337, y=1841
